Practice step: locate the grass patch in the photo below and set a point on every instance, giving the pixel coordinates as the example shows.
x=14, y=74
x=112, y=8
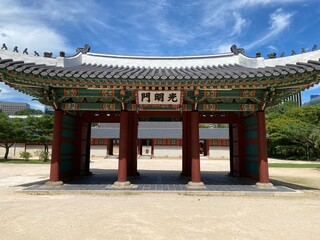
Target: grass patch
x=18, y=161
x=292, y=165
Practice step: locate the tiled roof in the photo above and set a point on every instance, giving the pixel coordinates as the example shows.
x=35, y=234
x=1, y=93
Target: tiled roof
x=231, y=71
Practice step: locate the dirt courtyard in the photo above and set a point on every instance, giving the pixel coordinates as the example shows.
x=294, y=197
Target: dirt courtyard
x=157, y=215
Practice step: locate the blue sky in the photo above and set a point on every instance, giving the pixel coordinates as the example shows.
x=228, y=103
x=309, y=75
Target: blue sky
x=159, y=27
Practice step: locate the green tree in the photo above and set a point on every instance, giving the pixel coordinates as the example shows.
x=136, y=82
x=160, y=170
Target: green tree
x=293, y=132
x=40, y=129
x=11, y=131
x=29, y=112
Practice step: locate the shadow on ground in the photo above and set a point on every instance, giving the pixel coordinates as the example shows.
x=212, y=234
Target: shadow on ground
x=102, y=179
x=160, y=177
x=291, y=185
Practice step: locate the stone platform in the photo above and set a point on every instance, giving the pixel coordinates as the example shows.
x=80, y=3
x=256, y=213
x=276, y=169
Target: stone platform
x=101, y=182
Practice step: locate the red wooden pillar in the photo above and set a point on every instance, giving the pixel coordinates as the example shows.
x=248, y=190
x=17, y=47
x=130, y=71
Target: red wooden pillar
x=123, y=148
x=186, y=157
x=140, y=147
x=110, y=147
x=189, y=145
x=132, y=144
x=152, y=148
x=56, y=142
x=231, y=149
x=129, y=150
x=206, y=147
x=262, y=146
x=195, y=156
x=87, y=150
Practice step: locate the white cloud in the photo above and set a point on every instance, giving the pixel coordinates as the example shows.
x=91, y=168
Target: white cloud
x=33, y=37
x=173, y=34
x=219, y=13
x=272, y=48
x=239, y=24
x=24, y=27
x=279, y=21
x=233, y=18
x=223, y=48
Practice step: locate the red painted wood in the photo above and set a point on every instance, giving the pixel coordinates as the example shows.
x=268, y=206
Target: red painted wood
x=194, y=137
x=231, y=150
x=140, y=146
x=56, y=141
x=206, y=147
x=87, y=148
x=110, y=147
x=132, y=144
x=262, y=145
x=135, y=143
x=129, y=145
x=122, y=166
x=184, y=143
x=152, y=147
x=186, y=148
x=189, y=145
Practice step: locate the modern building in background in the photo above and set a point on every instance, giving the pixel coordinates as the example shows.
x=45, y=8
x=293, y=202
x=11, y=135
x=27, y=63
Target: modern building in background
x=11, y=108
x=314, y=99
x=48, y=110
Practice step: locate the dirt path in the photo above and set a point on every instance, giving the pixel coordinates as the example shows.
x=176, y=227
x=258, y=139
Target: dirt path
x=150, y=216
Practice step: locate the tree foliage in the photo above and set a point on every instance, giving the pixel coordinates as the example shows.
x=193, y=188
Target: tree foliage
x=31, y=129
x=11, y=131
x=29, y=112
x=294, y=132
x=40, y=129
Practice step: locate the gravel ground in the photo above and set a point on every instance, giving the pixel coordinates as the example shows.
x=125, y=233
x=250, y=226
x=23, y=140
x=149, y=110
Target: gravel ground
x=154, y=216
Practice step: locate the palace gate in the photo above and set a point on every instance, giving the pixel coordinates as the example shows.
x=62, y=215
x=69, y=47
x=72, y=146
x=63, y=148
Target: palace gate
x=226, y=88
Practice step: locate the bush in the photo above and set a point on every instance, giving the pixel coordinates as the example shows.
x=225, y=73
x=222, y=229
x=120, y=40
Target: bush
x=43, y=155
x=25, y=155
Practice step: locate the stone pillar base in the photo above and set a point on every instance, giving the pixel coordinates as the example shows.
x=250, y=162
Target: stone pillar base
x=196, y=185
x=126, y=184
x=53, y=184
x=265, y=185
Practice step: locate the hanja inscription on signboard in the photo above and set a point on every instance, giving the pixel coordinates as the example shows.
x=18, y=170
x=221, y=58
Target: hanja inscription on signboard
x=159, y=97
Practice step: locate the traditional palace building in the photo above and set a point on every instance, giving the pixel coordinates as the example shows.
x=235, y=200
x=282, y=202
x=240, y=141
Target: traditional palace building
x=228, y=88
x=160, y=139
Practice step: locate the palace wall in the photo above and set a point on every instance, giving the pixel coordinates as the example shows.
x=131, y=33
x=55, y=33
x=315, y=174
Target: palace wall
x=100, y=151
